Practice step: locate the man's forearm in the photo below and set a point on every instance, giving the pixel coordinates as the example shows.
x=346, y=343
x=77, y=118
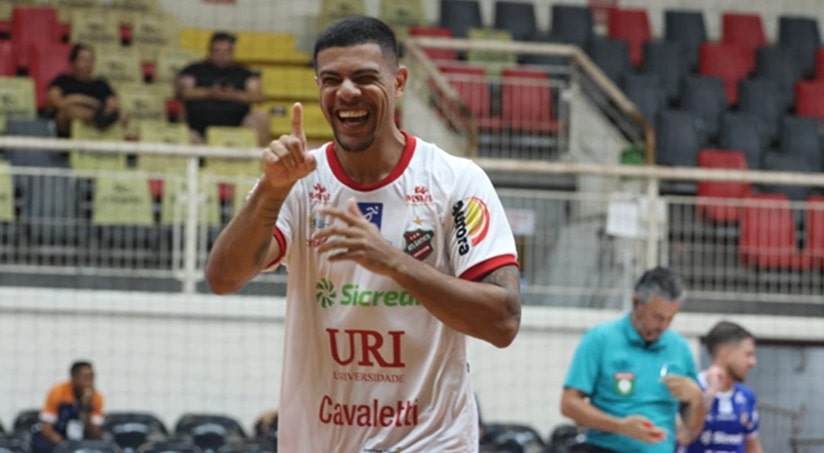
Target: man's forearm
x=589, y=416
x=488, y=311
x=694, y=416
x=243, y=247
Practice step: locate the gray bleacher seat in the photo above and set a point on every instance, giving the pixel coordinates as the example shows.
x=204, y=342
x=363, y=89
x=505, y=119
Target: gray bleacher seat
x=761, y=98
x=516, y=17
x=705, y=97
x=737, y=133
x=572, y=23
x=662, y=58
x=779, y=65
x=801, y=35
x=799, y=150
x=644, y=90
x=32, y=158
x=87, y=446
x=680, y=138
x=688, y=29
x=611, y=55
x=460, y=15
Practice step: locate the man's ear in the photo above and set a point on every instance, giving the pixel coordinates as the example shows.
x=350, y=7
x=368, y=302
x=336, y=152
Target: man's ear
x=401, y=76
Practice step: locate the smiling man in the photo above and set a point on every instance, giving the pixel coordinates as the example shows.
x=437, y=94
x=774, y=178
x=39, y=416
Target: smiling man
x=630, y=377
x=396, y=252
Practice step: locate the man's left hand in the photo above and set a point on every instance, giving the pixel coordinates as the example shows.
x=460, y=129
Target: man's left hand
x=356, y=239
x=682, y=388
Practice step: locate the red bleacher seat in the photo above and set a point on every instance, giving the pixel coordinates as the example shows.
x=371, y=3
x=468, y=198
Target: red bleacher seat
x=819, y=64
x=526, y=101
x=631, y=25
x=730, y=63
x=5, y=28
x=7, y=66
x=473, y=88
x=713, y=210
x=767, y=234
x=745, y=30
x=435, y=32
x=809, y=98
x=32, y=25
x=815, y=229
x=47, y=62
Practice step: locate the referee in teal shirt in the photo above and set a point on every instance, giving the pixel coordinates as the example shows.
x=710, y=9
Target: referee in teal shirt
x=631, y=376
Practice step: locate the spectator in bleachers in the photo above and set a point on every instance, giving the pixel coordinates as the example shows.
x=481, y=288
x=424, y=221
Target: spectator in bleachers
x=732, y=420
x=73, y=411
x=78, y=95
x=219, y=92
x=631, y=376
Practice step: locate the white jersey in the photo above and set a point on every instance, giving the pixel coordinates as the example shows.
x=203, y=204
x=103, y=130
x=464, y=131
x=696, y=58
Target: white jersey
x=366, y=367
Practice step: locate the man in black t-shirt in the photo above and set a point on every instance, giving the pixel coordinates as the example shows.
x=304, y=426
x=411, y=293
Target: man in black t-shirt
x=78, y=95
x=218, y=92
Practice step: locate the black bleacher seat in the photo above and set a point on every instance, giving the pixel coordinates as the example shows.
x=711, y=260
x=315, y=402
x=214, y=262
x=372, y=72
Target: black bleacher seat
x=680, y=138
x=11, y=444
x=762, y=98
x=738, y=132
x=566, y=438
x=688, y=29
x=210, y=432
x=169, y=446
x=508, y=437
x=779, y=65
x=662, y=58
x=704, y=96
x=25, y=422
x=516, y=17
x=248, y=447
x=87, y=446
x=801, y=35
x=460, y=15
x=799, y=137
x=130, y=430
x=611, y=55
x=644, y=90
x=545, y=59
x=573, y=24
x=775, y=160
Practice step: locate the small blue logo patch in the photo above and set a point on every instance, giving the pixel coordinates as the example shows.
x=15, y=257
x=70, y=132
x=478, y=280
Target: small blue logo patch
x=373, y=212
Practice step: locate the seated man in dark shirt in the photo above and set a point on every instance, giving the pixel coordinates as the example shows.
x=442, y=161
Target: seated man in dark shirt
x=218, y=92
x=78, y=95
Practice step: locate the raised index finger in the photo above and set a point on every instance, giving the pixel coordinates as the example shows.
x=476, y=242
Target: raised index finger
x=297, y=123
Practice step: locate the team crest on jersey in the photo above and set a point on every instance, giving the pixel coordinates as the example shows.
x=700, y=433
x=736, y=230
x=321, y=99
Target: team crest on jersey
x=418, y=243
x=471, y=218
x=373, y=212
x=624, y=383
x=319, y=193
x=420, y=195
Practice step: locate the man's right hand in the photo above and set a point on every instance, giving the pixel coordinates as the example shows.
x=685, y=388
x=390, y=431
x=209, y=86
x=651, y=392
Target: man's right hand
x=287, y=160
x=640, y=428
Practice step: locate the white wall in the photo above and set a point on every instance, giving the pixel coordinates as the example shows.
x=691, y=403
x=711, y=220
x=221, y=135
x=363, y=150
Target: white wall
x=298, y=17
x=170, y=353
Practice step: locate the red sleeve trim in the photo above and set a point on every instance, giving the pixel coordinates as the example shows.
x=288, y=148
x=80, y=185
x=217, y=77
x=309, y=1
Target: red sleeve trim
x=278, y=235
x=484, y=267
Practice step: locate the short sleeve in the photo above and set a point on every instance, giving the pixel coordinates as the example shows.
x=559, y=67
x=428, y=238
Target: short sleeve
x=58, y=82
x=190, y=70
x=479, y=237
x=586, y=364
x=49, y=412
x=106, y=89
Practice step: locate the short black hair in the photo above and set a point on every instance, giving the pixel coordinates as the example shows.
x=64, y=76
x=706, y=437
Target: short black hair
x=355, y=30
x=79, y=365
x=221, y=36
x=76, y=49
x=725, y=332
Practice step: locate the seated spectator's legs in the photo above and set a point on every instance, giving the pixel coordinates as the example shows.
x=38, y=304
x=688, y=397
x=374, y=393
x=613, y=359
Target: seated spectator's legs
x=39, y=443
x=72, y=111
x=259, y=122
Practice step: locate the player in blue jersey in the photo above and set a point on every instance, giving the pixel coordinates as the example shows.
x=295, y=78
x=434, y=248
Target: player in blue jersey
x=732, y=419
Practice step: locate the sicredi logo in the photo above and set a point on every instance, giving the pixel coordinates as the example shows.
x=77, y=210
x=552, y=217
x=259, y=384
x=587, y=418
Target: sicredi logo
x=471, y=223
x=352, y=294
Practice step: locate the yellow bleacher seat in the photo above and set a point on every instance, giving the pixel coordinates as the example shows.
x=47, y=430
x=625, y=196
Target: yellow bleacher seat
x=267, y=47
x=17, y=99
x=402, y=14
x=139, y=6
x=170, y=62
x=153, y=32
x=96, y=27
x=490, y=58
x=6, y=6
x=314, y=123
x=232, y=137
x=195, y=39
x=141, y=103
x=332, y=10
x=6, y=193
x=122, y=200
x=65, y=8
x=88, y=160
x=168, y=133
x=289, y=82
x=118, y=64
